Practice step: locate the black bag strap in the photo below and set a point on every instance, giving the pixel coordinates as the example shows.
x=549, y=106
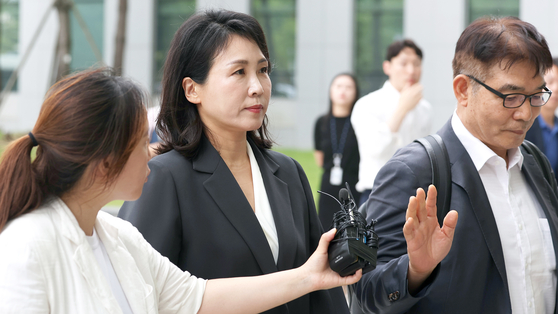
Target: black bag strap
x=543, y=163
x=441, y=169
x=441, y=172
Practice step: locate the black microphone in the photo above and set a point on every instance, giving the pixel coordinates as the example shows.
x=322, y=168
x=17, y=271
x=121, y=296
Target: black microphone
x=344, y=196
x=355, y=245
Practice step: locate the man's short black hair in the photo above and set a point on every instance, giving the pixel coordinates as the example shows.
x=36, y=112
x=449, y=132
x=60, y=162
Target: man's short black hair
x=395, y=48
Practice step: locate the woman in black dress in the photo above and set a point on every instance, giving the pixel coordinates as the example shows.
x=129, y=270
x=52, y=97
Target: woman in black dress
x=336, y=148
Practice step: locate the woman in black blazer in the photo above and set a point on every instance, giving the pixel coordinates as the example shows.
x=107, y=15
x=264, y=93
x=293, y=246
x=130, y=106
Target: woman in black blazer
x=218, y=202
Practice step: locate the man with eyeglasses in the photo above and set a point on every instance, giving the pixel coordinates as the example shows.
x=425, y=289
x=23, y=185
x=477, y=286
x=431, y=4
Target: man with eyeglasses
x=544, y=132
x=503, y=257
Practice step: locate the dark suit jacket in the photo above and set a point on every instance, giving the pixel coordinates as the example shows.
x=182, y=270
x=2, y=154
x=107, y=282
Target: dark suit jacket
x=195, y=213
x=472, y=278
x=535, y=135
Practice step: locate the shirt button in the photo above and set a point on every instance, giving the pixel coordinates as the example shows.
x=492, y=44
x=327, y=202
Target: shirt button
x=530, y=304
x=520, y=227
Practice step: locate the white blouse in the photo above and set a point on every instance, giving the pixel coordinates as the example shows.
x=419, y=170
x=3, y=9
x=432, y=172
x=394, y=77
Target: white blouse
x=105, y=264
x=262, y=207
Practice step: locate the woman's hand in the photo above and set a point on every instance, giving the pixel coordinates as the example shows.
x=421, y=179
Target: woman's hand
x=317, y=267
x=260, y=293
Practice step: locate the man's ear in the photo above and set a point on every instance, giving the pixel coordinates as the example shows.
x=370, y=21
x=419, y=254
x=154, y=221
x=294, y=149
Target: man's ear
x=190, y=90
x=461, y=90
x=386, y=66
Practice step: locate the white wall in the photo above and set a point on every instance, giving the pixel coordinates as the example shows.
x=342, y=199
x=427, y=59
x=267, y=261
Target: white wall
x=435, y=25
x=139, y=44
x=22, y=111
x=542, y=14
x=324, y=48
x=242, y=6
x=109, y=30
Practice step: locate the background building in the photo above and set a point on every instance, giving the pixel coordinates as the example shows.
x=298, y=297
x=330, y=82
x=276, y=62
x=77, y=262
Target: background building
x=309, y=40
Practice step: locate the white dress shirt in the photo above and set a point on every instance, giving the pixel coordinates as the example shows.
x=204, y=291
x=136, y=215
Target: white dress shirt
x=105, y=264
x=263, y=209
x=376, y=142
x=47, y=266
x=522, y=225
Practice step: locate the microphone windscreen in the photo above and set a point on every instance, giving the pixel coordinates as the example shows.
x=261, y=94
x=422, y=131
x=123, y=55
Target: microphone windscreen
x=343, y=195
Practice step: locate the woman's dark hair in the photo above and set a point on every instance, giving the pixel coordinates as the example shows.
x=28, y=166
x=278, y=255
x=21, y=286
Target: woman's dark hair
x=88, y=118
x=356, y=91
x=192, y=51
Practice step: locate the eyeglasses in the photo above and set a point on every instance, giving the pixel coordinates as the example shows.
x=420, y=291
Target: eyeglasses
x=515, y=100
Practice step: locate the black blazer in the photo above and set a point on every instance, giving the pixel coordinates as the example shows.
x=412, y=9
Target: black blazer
x=535, y=135
x=472, y=278
x=195, y=213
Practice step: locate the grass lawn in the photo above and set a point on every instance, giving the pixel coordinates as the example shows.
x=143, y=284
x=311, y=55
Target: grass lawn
x=304, y=157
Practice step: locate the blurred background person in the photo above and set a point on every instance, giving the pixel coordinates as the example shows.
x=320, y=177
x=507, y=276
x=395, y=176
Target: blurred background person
x=219, y=202
x=336, y=147
x=544, y=131
x=152, y=114
x=393, y=116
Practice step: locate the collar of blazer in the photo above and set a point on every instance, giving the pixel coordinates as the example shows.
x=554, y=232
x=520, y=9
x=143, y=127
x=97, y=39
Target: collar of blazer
x=208, y=158
x=465, y=175
x=547, y=199
x=130, y=278
x=226, y=192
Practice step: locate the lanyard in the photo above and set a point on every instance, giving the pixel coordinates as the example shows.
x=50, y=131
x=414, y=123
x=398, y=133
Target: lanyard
x=339, y=146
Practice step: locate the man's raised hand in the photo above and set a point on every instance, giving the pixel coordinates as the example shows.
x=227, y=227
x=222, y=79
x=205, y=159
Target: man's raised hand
x=427, y=243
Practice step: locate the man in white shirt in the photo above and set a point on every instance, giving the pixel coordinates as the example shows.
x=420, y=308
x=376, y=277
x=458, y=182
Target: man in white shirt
x=503, y=256
x=393, y=116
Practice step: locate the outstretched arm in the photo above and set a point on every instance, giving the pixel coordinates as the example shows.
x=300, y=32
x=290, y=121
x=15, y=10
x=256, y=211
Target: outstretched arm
x=260, y=293
x=427, y=243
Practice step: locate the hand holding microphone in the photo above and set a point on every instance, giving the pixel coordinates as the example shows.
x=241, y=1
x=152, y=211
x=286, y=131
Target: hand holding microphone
x=355, y=245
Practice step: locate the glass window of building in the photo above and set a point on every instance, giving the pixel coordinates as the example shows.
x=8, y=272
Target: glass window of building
x=478, y=8
x=170, y=14
x=278, y=20
x=378, y=24
x=92, y=12
x=9, y=32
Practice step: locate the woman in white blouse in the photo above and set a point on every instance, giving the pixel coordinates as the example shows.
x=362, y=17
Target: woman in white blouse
x=60, y=254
